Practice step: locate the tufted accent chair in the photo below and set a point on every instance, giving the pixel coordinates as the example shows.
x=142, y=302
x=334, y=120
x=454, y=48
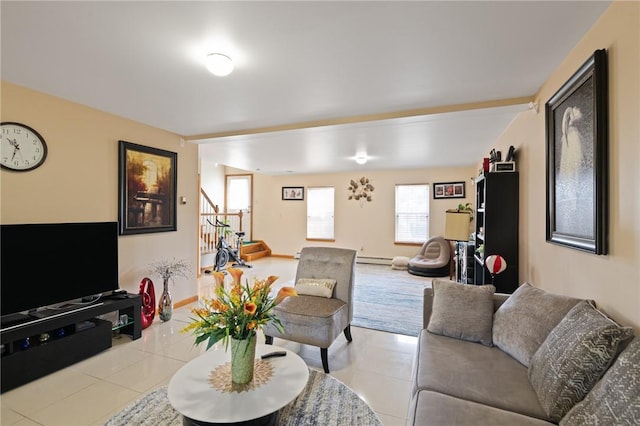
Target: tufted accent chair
x=315, y=320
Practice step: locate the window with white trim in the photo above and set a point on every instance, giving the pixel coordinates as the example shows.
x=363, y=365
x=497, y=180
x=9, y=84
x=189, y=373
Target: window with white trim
x=320, y=213
x=412, y=213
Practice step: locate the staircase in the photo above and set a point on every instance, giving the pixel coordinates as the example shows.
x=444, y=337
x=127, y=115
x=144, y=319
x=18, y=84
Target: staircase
x=209, y=214
x=252, y=250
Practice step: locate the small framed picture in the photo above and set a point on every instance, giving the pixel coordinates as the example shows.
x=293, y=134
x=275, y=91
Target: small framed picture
x=448, y=190
x=295, y=193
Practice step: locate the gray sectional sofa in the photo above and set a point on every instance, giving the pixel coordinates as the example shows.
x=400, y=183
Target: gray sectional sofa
x=531, y=358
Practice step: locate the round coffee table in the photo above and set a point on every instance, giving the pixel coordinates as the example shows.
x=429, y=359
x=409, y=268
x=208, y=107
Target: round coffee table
x=194, y=392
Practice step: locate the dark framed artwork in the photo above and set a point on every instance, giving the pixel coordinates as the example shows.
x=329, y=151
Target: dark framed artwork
x=577, y=159
x=147, y=182
x=295, y=193
x=448, y=190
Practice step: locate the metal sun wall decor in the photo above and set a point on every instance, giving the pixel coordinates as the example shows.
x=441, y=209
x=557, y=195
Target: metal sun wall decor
x=360, y=190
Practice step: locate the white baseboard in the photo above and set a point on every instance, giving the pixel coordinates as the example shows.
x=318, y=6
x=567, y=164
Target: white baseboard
x=365, y=260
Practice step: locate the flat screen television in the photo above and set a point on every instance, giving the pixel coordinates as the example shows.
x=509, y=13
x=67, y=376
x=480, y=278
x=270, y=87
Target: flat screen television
x=50, y=263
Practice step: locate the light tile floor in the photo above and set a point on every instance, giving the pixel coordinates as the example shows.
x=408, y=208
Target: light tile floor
x=376, y=365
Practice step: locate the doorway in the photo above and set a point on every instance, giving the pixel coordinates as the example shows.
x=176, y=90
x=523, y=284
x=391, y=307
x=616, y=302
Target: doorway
x=239, y=196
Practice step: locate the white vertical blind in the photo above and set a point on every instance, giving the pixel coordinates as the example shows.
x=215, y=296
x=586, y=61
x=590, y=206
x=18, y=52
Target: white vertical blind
x=320, y=212
x=238, y=191
x=412, y=213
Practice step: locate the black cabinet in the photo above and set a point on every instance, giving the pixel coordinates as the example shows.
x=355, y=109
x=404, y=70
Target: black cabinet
x=496, y=230
x=53, y=341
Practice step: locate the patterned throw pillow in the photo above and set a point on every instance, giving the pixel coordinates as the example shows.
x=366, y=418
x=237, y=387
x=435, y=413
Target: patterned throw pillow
x=615, y=400
x=322, y=287
x=462, y=311
x=573, y=357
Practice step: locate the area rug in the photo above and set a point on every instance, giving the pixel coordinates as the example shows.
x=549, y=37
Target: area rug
x=388, y=300
x=324, y=401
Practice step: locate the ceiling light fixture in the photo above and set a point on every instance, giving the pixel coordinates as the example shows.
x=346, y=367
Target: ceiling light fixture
x=361, y=159
x=219, y=64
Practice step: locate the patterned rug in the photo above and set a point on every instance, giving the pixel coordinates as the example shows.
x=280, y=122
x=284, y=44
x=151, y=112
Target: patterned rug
x=324, y=401
x=388, y=300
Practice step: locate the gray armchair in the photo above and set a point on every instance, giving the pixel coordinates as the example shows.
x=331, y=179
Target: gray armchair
x=316, y=320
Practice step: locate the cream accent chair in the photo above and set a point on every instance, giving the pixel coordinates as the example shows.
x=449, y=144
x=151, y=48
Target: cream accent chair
x=316, y=320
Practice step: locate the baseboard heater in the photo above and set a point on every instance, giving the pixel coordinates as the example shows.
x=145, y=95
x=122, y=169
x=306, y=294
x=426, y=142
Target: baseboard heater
x=367, y=260
x=364, y=260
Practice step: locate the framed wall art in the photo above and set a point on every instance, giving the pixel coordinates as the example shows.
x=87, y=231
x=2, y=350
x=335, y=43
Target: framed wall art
x=577, y=159
x=147, y=182
x=295, y=193
x=448, y=190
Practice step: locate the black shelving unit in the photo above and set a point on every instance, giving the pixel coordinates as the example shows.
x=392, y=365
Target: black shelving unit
x=496, y=230
x=43, y=345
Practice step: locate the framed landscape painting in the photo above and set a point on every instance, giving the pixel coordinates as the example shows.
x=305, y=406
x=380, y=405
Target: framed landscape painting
x=577, y=159
x=147, y=182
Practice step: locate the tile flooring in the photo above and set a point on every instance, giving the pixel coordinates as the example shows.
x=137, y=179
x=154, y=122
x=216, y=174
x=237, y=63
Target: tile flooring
x=376, y=365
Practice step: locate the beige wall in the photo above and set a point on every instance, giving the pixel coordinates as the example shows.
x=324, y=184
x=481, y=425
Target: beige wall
x=79, y=181
x=612, y=280
x=368, y=228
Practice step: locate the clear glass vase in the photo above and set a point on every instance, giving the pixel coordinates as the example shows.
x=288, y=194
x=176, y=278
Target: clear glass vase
x=165, y=304
x=243, y=354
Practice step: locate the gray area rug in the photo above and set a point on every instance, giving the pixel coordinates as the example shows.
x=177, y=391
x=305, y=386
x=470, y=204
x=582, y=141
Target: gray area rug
x=388, y=300
x=324, y=401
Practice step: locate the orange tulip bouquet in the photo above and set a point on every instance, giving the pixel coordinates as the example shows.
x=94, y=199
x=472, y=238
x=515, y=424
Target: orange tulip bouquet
x=237, y=313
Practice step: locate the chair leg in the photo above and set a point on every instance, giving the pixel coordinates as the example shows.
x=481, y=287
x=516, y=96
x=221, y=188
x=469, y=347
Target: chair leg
x=347, y=333
x=325, y=360
x=268, y=340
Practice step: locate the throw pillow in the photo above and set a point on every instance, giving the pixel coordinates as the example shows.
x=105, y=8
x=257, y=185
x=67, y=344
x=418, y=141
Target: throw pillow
x=462, y=311
x=322, y=287
x=400, y=262
x=526, y=318
x=573, y=357
x=616, y=398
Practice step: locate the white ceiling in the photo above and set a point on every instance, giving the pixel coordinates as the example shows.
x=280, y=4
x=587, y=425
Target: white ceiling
x=299, y=63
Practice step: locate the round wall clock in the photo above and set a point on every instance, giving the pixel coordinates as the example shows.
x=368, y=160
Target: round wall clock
x=21, y=147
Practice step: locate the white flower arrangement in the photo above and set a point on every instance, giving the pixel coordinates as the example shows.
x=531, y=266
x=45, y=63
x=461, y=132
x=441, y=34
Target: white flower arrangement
x=168, y=269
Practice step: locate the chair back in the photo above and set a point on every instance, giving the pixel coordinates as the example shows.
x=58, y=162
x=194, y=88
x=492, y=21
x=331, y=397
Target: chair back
x=333, y=263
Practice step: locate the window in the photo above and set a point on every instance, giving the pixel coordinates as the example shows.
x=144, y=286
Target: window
x=320, y=203
x=412, y=213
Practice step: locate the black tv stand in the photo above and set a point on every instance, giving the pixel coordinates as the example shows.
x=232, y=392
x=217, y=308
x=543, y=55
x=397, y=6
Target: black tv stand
x=34, y=347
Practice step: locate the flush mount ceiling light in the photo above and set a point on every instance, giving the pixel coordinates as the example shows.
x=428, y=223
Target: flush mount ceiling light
x=361, y=159
x=219, y=64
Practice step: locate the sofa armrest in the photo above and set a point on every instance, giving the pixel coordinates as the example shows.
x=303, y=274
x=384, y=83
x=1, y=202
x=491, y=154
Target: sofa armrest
x=427, y=308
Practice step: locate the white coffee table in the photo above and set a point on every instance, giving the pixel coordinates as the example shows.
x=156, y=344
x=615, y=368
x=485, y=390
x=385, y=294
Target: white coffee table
x=201, y=403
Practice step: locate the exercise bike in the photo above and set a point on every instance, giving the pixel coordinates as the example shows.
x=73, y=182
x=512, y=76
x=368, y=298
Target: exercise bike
x=224, y=252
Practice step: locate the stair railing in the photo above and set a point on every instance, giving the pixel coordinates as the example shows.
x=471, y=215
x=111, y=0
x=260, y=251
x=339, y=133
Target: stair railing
x=209, y=214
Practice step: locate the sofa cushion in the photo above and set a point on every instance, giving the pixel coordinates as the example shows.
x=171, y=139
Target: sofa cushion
x=437, y=409
x=615, y=399
x=474, y=372
x=522, y=323
x=462, y=311
x=573, y=357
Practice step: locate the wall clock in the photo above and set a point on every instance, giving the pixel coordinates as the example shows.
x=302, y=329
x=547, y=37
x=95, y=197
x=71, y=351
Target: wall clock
x=21, y=147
